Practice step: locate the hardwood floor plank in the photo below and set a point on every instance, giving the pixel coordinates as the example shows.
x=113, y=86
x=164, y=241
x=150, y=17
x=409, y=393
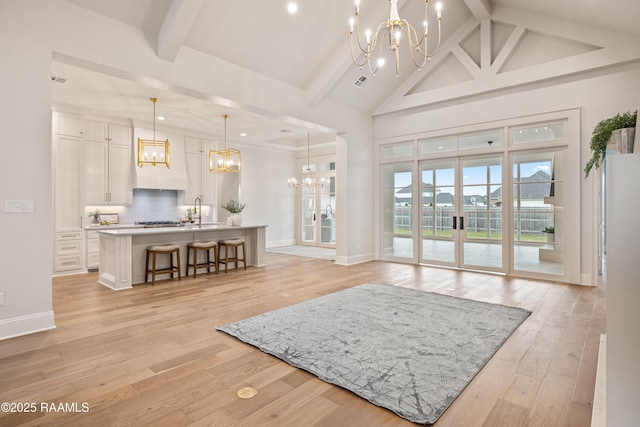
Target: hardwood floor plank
x=151, y=355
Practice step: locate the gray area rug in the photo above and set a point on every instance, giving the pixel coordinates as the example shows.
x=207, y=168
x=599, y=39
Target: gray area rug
x=305, y=251
x=402, y=349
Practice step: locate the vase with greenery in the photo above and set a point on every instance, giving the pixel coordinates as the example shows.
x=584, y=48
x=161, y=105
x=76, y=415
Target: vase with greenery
x=234, y=207
x=550, y=232
x=602, y=134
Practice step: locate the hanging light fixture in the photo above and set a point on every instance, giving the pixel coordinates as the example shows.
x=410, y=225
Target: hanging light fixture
x=308, y=177
x=227, y=160
x=153, y=152
x=393, y=30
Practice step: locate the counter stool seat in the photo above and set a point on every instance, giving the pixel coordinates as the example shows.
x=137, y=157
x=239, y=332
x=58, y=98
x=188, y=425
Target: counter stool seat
x=154, y=250
x=206, y=247
x=236, y=245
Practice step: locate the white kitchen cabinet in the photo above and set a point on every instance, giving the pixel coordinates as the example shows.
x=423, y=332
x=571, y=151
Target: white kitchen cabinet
x=201, y=182
x=108, y=164
x=93, y=249
x=68, y=203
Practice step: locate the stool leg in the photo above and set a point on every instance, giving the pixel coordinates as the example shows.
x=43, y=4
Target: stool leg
x=208, y=261
x=178, y=256
x=215, y=257
x=153, y=272
x=244, y=256
x=146, y=268
x=195, y=262
x=226, y=258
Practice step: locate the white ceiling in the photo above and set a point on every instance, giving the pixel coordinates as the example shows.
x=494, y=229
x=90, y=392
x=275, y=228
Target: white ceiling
x=306, y=50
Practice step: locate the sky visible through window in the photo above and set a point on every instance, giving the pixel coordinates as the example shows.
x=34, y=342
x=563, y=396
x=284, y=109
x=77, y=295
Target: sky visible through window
x=445, y=177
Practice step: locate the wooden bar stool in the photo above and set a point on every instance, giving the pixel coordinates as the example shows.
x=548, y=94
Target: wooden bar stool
x=206, y=247
x=236, y=245
x=162, y=249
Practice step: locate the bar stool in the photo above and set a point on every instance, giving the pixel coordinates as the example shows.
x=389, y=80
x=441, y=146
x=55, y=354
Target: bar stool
x=162, y=249
x=206, y=247
x=234, y=244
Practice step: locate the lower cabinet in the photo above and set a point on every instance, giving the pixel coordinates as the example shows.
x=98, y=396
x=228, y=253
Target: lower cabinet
x=93, y=250
x=68, y=252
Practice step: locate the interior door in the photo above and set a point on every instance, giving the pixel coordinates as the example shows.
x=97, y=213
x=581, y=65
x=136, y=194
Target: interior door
x=461, y=211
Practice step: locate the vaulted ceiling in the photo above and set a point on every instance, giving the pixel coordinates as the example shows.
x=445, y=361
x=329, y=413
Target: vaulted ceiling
x=488, y=45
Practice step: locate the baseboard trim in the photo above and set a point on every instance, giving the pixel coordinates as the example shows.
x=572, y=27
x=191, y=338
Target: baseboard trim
x=24, y=325
x=358, y=259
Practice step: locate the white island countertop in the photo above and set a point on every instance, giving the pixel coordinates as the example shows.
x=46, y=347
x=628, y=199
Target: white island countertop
x=123, y=250
x=141, y=230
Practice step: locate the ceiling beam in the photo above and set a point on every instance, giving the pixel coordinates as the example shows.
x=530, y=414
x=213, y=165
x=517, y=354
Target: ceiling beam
x=481, y=9
x=176, y=26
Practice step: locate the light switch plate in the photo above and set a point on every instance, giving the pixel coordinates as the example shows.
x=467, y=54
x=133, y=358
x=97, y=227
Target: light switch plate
x=18, y=206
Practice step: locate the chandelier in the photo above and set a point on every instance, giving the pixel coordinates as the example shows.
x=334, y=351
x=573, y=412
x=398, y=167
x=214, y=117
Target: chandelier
x=308, y=177
x=153, y=152
x=392, y=32
x=227, y=160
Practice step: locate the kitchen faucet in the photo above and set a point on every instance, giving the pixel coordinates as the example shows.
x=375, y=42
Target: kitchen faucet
x=198, y=203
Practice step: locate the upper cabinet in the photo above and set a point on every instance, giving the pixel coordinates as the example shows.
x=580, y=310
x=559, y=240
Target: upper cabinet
x=108, y=164
x=201, y=181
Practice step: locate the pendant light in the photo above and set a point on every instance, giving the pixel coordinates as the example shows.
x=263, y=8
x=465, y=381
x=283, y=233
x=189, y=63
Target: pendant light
x=153, y=152
x=308, y=178
x=227, y=160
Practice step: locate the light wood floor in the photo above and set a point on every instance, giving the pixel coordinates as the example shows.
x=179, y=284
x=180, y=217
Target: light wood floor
x=152, y=356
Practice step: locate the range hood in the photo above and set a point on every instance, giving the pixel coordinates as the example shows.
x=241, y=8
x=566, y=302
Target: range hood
x=160, y=177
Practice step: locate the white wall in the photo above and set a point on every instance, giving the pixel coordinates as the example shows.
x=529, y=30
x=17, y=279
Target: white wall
x=598, y=95
x=25, y=174
x=31, y=32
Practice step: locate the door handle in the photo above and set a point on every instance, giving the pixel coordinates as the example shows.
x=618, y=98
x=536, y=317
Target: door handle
x=461, y=223
x=455, y=222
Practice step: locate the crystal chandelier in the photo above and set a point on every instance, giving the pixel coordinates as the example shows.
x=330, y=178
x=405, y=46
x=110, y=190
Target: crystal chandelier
x=153, y=152
x=392, y=32
x=308, y=177
x=227, y=160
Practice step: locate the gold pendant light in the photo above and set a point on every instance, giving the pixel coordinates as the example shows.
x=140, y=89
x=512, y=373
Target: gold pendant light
x=153, y=152
x=227, y=160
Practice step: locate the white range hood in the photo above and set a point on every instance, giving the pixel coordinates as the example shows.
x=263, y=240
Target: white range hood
x=160, y=177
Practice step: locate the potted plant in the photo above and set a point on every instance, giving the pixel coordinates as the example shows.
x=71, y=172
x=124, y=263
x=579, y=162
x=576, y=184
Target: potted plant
x=602, y=135
x=95, y=215
x=550, y=231
x=234, y=208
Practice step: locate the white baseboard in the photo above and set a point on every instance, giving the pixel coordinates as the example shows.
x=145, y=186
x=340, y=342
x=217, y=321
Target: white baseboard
x=358, y=259
x=599, y=412
x=24, y=325
x=278, y=243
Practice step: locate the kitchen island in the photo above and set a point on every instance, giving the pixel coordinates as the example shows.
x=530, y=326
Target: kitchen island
x=123, y=251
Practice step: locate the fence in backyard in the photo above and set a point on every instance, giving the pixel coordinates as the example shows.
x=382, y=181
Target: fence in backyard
x=528, y=222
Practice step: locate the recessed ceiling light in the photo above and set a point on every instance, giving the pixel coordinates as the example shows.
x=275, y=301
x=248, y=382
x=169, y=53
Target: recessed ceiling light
x=292, y=7
x=243, y=134
x=160, y=117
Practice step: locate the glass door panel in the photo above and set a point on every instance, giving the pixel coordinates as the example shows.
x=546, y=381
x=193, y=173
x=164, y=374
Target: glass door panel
x=397, y=199
x=308, y=215
x=538, y=212
x=438, y=209
x=481, y=225
x=328, y=212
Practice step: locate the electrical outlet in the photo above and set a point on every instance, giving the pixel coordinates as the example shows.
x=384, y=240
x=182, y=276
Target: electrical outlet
x=18, y=206
x=1, y=298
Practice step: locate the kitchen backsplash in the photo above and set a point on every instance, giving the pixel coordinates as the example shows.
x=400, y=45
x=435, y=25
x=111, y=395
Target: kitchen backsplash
x=151, y=205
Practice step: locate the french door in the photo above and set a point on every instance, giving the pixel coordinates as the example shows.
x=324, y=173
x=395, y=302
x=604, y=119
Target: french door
x=318, y=213
x=461, y=213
